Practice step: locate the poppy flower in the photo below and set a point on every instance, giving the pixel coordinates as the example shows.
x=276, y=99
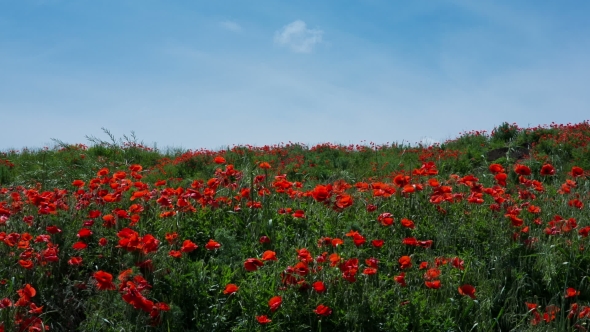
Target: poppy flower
x=323, y=310
x=78, y=183
x=75, y=261
x=219, y=160
x=175, y=253
x=577, y=171
x=263, y=319
x=79, y=245
x=385, y=219
x=230, y=289
x=571, y=292
x=26, y=263
x=269, y=255
x=319, y=286
x=501, y=179
x=547, y=169
x=264, y=165
x=188, y=246
x=299, y=214
x=467, y=290
x=212, y=245
x=401, y=279
x=264, y=239
x=405, y=262
x=274, y=303
x=496, y=168
x=377, y=243
x=522, y=169
x=252, y=264
x=104, y=280
x=433, y=284
x=407, y=223
x=370, y=271
x=432, y=274
x=52, y=229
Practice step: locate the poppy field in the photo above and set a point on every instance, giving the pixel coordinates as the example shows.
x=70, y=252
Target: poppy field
x=484, y=232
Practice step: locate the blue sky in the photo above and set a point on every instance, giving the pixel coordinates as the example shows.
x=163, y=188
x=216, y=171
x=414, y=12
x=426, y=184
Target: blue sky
x=209, y=74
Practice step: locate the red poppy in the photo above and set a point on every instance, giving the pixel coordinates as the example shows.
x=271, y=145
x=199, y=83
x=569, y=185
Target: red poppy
x=496, y=168
x=219, y=160
x=252, y=264
x=78, y=183
x=577, y=171
x=212, y=245
x=410, y=241
x=433, y=284
x=522, y=169
x=104, y=280
x=79, y=245
x=319, y=286
x=175, y=253
x=264, y=239
x=370, y=271
x=269, y=255
x=407, y=223
x=230, y=289
x=571, y=292
x=52, y=229
x=264, y=165
x=432, y=274
x=75, y=261
x=377, y=243
x=188, y=246
x=547, y=169
x=385, y=218
x=299, y=214
x=401, y=279
x=274, y=303
x=405, y=262
x=26, y=263
x=321, y=193
x=263, y=319
x=467, y=290
x=323, y=310
x=501, y=179
x=102, y=242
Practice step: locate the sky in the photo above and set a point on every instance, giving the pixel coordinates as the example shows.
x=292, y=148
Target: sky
x=212, y=74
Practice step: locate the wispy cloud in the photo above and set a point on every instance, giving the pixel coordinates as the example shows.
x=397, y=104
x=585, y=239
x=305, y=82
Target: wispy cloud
x=231, y=26
x=298, y=37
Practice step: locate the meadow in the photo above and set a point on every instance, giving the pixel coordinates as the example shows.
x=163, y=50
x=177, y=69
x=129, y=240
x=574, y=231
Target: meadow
x=484, y=232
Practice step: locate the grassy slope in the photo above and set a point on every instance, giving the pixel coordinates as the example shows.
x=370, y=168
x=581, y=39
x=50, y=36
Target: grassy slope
x=509, y=262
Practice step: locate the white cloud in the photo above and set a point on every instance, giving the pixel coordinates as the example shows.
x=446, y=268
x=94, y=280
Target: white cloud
x=298, y=37
x=231, y=26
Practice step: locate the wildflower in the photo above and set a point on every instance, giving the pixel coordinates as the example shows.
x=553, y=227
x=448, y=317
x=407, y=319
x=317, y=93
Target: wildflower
x=75, y=261
x=319, y=286
x=212, y=245
x=252, y=264
x=230, y=289
x=323, y=310
x=264, y=239
x=274, y=303
x=385, y=218
x=571, y=292
x=401, y=279
x=433, y=284
x=188, y=246
x=405, y=262
x=219, y=160
x=547, y=169
x=377, y=243
x=104, y=280
x=263, y=319
x=269, y=255
x=467, y=290
x=407, y=223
